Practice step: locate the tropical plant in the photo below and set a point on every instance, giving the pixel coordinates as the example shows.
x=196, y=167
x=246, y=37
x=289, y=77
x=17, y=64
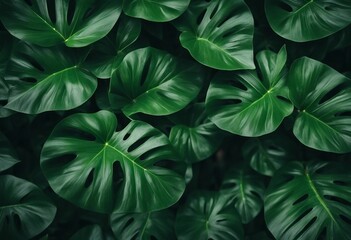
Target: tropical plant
x=175, y=119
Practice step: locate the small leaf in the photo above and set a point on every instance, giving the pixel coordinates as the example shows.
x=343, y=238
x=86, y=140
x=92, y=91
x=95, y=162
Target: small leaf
x=153, y=82
x=8, y=156
x=25, y=211
x=309, y=201
x=241, y=103
x=89, y=164
x=218, y=34
x=323, y=98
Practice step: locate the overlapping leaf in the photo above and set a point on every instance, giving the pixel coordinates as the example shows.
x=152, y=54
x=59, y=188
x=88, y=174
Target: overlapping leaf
x=91, y=165
x=8, y=156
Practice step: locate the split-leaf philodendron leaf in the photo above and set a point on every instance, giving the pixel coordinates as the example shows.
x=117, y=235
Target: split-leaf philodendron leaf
x=91, y=165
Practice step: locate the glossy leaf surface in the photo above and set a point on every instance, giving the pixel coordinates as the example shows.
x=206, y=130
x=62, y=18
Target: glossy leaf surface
x=323, y=98
x=244, y=104
x=308, y=201
x=25, y=211
x=48, y=23
x=143, y=226
x=306, y=20
x=47, y=79
x=208, y=215
x=153, y=82
x=218, y=34
x=96, y=168
x=8, y=156
x=156, y=11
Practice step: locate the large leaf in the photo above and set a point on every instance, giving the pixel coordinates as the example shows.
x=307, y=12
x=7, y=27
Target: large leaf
x=156, y=11
x=309, y=201
x=218, y=33
x=195, y=137
x=246, y=189
x=323, y=98
x=143, y=226
x=46, y=79
x=306, y=20
x=91, y=165
x=8, y=156
x=25, y=211
x=107, y=54
x=153, y=82
x=241, y=103
x=208, y=215
x=269, y=153
x=76, y=23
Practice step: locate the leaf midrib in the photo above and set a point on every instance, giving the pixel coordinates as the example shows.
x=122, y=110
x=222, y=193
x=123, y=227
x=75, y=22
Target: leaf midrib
x=319, y=120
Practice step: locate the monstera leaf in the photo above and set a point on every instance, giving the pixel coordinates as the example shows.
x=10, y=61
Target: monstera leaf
x=108, y=53
x=208, y=215
x=195, y=137
x=8, y=156
x=306, y=20
x=47, y=23
x=46, y=79
x=241, y=103
x=143, y=226
x=309, y=201
x=218, y=33
x=269, y=153
x=90, y=232
x=96, y=168
x=323, y=98
x=156, y=11
x=4, y=96
x=24, y=210
x=153, y=82
x=246, y=189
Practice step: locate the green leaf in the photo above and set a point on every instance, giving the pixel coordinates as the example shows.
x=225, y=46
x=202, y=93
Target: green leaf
x=195, y=138
x=269, y=153
x=155, y=11
x=218, y=34
x=208, y=215
x=306, y=20
x=154, y=82
x=8, y=156
x=96, y=168
x=48, y=23
x=90, y=232
x=323, y=98
x=107, y=54
x=241, y=103
x=47, y=79
x=143, y=226
x=25, y=211
x=309, y=201
x=246, y=189
x=4, y=96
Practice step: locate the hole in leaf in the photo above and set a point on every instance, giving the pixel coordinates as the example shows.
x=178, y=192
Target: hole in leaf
x=214, y=11
x=225, y=102
x=255, y=194
x=128, y=223
x=274, y=148
x=29, y=80
x=237, y=84
x=283, y=99
x=126, y=136
x=29, y=2
x=117, y=176
x=32, y=61
x=165, y=164
x=301, y=199
x=328, y=8
x=346, y=219
x=221, y=220
x=223, y=20
x=25, y=197
x=151, y=154
x=7, y=220
x=89, y=179
x=285, y=6
x=139, y=142
x=337, y=199
x=200, y=17
x=51, y=10
x=330, y=94
x=340, y=183
x=3, y=102
x=71, y=10
x=62, y=160
x=229, y=33
x=306, y=227
x=77, y=133
x=17, y=221
x=304, y=214
x=145, y=71
x=344, y=114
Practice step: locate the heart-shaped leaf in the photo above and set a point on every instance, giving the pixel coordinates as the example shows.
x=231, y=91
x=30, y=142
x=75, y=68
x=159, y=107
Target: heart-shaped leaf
x=246, y=189
x=107, y=54
x=25, y=211
x=309, y=201
x=144, y=226
x=96, y=168
x=323, y=98
x=233, y=98
x=46, y=79
x=153, y=82
x=306, y=20
x=269, y=153
x=195, y=138
x=218, y=33
x=8, y=156
x=156, y=11
x=208, y=215
x=76, y=23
